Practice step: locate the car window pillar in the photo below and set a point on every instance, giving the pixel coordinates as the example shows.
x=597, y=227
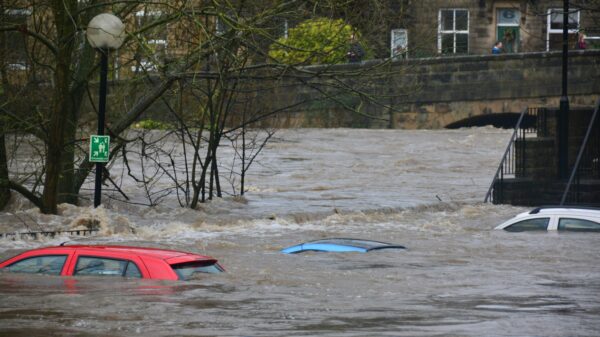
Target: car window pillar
x=553, y=224
x=69, y=264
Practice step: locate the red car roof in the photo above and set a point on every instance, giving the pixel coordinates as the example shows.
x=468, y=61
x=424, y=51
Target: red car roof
x=163, y=254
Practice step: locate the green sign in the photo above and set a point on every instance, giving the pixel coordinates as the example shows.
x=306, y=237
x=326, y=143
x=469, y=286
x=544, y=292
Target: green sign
x=99, y=148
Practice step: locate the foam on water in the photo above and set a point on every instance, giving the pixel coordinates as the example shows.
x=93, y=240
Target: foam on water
x=422, y=189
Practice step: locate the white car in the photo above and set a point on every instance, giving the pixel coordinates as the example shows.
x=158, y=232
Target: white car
x=562, y=218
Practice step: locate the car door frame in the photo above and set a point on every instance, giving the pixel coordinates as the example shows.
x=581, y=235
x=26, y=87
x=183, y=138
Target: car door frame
x=513, y=221
x=43, y=252
x=582, y=217
x=82, y=252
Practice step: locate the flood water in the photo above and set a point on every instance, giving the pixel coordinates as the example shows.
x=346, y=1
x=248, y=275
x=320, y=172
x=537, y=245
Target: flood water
x=421, y=189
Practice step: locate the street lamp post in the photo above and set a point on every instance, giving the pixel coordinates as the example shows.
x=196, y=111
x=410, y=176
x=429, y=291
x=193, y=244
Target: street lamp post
x=105, y=32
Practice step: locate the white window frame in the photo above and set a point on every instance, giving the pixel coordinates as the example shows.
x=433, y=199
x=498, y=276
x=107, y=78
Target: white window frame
x=393, y=45
x=285, y=28
x=220, y=28
x=559, y=31
x=148, y=65
x=592, y=38
x=149, y=13
x=17, y=11
x=22, y=12
x=453, y=31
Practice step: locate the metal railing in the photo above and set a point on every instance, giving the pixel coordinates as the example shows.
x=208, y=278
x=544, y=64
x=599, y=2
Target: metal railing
x=514, y=158
x=50, y=234
x=587, y=164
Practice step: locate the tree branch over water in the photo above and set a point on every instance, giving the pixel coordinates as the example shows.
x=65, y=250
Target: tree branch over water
x=208, y=62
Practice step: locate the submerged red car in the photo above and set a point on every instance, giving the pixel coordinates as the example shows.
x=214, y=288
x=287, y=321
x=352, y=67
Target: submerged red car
x=124, y=261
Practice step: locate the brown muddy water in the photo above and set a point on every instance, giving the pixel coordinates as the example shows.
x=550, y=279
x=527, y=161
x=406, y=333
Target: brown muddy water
x=422, y=189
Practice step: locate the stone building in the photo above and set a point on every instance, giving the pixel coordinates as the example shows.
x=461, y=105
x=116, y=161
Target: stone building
x=413, y=28
x=472, y=27
x=425, y=28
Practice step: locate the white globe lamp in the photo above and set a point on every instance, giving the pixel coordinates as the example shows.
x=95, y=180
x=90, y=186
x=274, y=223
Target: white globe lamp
x=106, y=31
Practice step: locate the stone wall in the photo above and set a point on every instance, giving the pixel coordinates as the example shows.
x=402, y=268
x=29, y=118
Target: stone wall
x=416, y=93
x=432, y=93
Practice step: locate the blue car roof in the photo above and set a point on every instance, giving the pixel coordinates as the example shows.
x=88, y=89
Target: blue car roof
x=340, y=245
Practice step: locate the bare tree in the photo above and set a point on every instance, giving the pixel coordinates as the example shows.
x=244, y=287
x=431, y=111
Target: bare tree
x=211, y=80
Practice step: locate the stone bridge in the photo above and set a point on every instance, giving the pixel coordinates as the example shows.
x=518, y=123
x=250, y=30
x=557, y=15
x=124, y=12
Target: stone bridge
x=438, y=92
x=415, y=93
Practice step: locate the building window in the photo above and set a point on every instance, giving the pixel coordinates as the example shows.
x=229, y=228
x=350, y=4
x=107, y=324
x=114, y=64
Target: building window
x=153, y=41
x=285, y=28
x=555, y=28
x=399, y=43
x=15, y=47
x=507, y=30
x=220, y=26
x=453, y=31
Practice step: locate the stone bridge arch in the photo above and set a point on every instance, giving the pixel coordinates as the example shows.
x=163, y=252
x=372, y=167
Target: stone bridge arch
x=505, y=120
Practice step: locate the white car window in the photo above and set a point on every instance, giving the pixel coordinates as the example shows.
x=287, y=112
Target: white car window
x=572, y=224
x=535, y=224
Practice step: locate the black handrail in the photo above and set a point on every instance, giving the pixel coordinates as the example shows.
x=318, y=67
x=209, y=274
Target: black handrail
x=507, y=152
x=580, y=154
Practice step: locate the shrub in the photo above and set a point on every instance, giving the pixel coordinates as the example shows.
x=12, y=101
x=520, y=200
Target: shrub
x=315, y=41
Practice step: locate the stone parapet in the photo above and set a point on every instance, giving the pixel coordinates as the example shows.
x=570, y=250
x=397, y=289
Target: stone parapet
x=415, y=93
x=434, y=92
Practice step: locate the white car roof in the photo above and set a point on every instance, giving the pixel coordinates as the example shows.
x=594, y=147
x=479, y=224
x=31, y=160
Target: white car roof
x=564, y=211
x=558, y=210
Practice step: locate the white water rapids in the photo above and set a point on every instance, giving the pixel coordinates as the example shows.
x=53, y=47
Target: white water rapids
x=422, y=189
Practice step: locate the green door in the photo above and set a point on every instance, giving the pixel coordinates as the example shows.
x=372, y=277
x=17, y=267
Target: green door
x=509, y=37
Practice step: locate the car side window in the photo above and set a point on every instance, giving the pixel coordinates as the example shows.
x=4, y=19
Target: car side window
x=536, y=224
x=87, y=265
x=570, y=224
x=46, y=264
x=132, y=271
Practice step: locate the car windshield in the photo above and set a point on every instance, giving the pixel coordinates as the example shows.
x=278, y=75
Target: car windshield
x=190, y=270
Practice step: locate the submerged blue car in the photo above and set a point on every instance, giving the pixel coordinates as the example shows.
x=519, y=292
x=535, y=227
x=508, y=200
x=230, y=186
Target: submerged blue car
x=340, y=245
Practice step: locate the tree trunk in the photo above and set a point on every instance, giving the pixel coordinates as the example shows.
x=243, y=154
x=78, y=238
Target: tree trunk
x=68, y=188
x=4, y=190
x=62, y=104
